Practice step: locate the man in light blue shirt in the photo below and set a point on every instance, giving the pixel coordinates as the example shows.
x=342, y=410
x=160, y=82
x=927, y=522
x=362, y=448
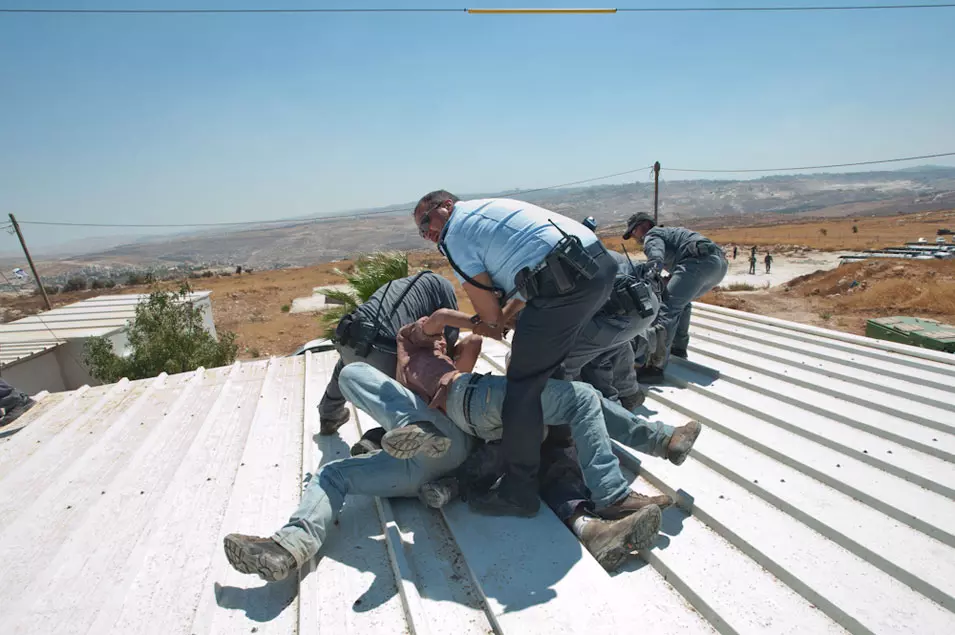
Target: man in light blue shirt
x=556, y=274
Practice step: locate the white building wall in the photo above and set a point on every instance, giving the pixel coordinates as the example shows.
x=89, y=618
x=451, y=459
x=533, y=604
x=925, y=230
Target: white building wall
x=36, y=374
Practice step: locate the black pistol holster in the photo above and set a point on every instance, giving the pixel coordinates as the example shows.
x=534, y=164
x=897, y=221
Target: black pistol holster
x=630, y=296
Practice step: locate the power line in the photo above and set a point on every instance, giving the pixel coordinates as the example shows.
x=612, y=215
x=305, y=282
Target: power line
x=816, y=167
x=317, y=219
x=483, y=11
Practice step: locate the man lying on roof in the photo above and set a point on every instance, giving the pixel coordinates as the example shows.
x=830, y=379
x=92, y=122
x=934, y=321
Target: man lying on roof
x=431, y=439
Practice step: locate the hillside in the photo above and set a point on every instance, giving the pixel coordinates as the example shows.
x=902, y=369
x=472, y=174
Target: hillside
x=698, y=203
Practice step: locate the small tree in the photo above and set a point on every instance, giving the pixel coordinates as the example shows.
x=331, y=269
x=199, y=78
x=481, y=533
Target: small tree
x=110, y=283
x=824, y=231
x=166, y=336
x=97, y=284
x=369, y=274
x=76, y=283
x=855, y=229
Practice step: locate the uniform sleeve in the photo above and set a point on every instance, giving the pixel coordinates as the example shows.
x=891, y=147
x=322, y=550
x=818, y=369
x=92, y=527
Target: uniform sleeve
x=653, y=246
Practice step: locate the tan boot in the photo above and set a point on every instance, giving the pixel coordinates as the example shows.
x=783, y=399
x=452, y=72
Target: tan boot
x=682, y=441
x=261, y=556
x=631, y=503
x=610, y=541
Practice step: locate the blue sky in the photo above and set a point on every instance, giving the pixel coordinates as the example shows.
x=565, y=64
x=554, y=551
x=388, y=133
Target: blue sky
x=244, y=117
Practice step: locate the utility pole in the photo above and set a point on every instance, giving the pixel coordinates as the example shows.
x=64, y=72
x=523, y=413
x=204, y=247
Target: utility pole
x=656, y=192
x=26, y=252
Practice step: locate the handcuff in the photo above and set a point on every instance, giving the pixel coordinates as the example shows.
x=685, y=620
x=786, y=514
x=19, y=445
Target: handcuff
x=476, y=319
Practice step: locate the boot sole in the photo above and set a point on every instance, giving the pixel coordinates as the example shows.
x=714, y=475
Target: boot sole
x=244, y=561
x=641, y=532
x=681, y=458
x=404, y=443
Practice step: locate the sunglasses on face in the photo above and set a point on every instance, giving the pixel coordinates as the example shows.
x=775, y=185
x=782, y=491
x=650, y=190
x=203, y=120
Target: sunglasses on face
x=424, y=225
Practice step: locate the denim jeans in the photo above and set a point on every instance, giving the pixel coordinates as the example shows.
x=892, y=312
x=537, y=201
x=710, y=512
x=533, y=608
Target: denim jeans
x=377, y=474
x=574, y=404
x=691, y=278
x=333, y=401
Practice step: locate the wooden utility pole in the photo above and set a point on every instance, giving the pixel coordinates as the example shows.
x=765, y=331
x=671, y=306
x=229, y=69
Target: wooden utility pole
x=656, y=192
x=26, y=252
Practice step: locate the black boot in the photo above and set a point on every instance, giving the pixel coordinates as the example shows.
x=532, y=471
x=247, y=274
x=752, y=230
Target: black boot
x=506, y=498
x=650, y=375
x=369, y=442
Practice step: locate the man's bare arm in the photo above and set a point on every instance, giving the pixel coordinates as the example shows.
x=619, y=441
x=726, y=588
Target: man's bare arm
x=467, y=351
x=441, y=318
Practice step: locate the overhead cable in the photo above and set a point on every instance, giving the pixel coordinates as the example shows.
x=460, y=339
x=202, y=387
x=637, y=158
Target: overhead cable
x=810, y=167
x=484, y=11
x=317, y=219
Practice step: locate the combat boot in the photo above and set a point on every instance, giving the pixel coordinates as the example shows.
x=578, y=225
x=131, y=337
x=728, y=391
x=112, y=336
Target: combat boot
x=650, y=375
x=611, y=541
x=437, y=494
x=330, y=425
x=682, y=441
x=369, y=442
x=631, y=503
x=262, y=556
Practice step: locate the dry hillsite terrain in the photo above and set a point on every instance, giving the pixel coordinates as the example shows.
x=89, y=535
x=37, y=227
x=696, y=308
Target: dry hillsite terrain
x=805, y=286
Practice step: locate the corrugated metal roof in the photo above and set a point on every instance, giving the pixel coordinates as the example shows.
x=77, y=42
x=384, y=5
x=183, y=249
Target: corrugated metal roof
x=15, y=351
x=819, y=499
x=92, y=317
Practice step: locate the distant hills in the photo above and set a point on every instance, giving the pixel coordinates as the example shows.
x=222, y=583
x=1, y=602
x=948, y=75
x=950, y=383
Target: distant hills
x=695, y=202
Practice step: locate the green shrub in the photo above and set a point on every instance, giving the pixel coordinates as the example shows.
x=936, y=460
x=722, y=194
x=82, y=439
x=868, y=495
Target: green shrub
x=166, y=336
x=286, y=308
x=368, y=275
x=76, y=283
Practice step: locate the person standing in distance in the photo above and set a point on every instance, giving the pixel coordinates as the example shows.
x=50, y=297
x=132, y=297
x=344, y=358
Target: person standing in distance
x=696, y=265
x=513, y=257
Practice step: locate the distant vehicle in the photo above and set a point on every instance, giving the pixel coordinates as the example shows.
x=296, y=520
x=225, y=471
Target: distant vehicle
x=320, y=345
x=940, y=240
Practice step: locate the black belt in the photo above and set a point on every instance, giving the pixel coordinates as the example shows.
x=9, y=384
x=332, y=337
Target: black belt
x=466, y=405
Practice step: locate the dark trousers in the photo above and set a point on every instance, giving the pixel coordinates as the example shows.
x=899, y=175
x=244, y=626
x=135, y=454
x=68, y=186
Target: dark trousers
x=10, y=397
x=545, y=334
x=561, y=481
x=333, y=402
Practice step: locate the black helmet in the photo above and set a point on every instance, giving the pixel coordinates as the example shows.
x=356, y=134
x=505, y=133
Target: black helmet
x=635, y=220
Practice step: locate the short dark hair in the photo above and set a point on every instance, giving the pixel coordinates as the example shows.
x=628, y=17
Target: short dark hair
x=432, y=198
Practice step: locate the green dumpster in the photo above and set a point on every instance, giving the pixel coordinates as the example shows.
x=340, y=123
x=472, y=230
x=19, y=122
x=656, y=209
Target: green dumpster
x=913, y=331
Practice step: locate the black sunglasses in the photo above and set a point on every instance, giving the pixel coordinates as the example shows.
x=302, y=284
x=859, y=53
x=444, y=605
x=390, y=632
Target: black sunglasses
x=424, y=225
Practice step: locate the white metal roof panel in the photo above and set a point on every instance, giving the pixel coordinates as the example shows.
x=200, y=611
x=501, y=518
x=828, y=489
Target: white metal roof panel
x=813, y=503
x=92, y=317
x=11, y=352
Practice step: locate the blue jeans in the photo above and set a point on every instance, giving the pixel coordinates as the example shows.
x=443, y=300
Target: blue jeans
x=377, y=474
x=574, y=404
x=690, y=279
